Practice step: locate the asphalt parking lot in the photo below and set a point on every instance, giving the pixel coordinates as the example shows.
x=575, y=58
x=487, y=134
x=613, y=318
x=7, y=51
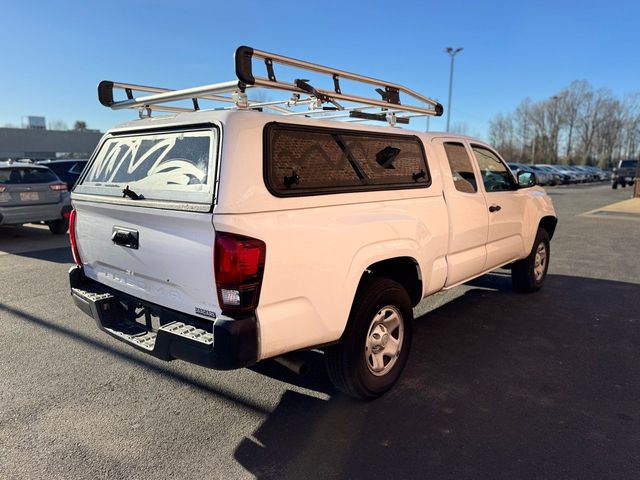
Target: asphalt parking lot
x=498, y=385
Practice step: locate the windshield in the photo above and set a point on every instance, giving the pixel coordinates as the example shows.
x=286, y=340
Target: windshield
x=166, y=165
x=628, y=163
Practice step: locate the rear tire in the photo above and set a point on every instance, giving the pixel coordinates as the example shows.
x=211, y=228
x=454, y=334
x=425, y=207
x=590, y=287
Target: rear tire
x=59, y=227
x=528, y=274
x=375, y=346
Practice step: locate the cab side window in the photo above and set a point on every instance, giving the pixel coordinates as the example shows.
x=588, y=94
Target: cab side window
x=495, y=174
x=461, y=168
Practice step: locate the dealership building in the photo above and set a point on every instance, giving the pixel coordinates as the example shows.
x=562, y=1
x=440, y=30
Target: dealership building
x=41, y=144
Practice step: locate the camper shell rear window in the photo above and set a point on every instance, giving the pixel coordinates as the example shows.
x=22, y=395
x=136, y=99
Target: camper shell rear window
x=174, y=165
x=302, y=160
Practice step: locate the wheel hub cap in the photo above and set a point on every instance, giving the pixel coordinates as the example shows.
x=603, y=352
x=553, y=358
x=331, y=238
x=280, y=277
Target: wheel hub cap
x=384, y=340
x=540, y=262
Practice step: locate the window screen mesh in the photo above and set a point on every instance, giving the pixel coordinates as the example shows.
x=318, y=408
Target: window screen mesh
x=315, y=160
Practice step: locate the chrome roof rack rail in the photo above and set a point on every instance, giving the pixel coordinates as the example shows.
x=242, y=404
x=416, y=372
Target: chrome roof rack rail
x=387, y=106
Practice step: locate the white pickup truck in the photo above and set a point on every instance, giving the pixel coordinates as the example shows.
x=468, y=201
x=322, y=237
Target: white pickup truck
x=228, y=236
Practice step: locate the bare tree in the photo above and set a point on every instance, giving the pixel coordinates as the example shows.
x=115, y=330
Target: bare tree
x=502, y=136
x=570, y=100
x=608, y=134
x=630, y=144
x=544, y=121
x=523, y=130
x=80, y=125
x=577, y=125
x=592, y=116
x=554, y=122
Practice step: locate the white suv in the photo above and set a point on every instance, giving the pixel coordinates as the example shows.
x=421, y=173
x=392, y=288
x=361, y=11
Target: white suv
x=228, y=236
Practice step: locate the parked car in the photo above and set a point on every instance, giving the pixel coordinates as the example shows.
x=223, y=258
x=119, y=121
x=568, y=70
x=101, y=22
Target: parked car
x=624, y=174
x=566, y=176
x=602, y=175
x=249, y=235
x=591, y=172
x=68, y=170
x=608, y=173
x=542, y=178
x=549, y=175
x=31, y=193
x=583, y=176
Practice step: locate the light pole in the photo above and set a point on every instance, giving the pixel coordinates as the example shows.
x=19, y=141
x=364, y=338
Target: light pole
x=452, y=52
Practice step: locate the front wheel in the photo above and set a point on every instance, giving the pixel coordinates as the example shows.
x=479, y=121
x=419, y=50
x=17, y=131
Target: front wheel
x=375, y=347
x=528, y=274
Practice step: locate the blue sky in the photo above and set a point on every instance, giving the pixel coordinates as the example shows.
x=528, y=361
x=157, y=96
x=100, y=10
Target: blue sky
x=53, y=54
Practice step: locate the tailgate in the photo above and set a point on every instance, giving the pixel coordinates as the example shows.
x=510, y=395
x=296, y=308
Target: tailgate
x=172, y=265
x=157, y=244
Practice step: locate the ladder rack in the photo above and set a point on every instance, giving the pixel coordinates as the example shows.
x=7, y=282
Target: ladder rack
x=305, y=99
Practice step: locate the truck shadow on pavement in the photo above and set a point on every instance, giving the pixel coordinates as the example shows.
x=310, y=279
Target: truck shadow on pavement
x=56, y=255
x=498, y=385
x=35, y=241
x=124, y=353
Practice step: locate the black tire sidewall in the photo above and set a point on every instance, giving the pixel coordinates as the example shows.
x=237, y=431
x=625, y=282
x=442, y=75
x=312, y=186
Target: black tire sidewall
x=59, y=227
x=541, y=237
x=377, y=294
x=522, y=274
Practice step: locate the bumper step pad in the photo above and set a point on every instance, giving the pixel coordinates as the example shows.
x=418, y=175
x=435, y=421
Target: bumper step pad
x=134, y=333
x=178, y=336
x=189, y=331
x=140, y=336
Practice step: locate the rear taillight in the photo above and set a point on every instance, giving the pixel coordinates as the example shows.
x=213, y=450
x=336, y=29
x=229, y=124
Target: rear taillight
x=238, y=266
x=59, y=187
x=72, y=238
x=2, y=188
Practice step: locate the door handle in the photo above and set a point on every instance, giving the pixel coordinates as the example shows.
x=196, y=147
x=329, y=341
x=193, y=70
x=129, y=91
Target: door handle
x=125, y=237
x=494, y=208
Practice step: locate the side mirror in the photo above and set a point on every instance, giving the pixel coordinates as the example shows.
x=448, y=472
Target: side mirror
x=526, y=179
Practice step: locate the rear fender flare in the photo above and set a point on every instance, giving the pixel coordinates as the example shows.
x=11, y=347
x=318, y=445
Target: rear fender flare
x=374, y=253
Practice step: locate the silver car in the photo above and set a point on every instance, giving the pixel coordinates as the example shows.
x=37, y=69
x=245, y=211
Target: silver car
x=32, y=193
x=542, y=177
x=547, y=176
